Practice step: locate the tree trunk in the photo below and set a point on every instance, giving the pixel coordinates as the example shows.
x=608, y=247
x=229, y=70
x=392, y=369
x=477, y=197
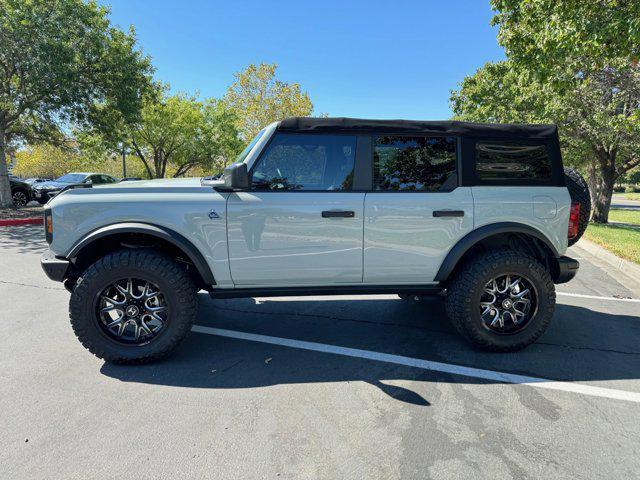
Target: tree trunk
x=157, y=163
x=5, y=187
x=603, y=191
x=141, y=157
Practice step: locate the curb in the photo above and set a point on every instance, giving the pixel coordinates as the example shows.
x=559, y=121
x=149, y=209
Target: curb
x=630, y=269
x=20, y=221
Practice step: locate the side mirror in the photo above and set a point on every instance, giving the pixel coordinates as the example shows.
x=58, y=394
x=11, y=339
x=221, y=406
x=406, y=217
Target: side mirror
x=236, y=177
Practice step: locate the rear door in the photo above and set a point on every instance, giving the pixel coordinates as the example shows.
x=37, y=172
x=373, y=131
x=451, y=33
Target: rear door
x=301, y=222
x=416, y=211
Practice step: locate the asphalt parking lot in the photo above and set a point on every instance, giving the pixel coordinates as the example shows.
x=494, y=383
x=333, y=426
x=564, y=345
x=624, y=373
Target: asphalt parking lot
x=321, y=387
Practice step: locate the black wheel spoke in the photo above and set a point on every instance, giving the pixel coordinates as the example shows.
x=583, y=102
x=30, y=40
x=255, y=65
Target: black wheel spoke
x=132, y=311
x=507, y=303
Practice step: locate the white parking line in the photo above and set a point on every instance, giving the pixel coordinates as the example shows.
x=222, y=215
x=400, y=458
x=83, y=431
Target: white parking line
x=595, y=297
x=427, y=364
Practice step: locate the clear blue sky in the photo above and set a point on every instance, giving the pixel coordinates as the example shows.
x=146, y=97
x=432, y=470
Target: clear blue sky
x=375, y=59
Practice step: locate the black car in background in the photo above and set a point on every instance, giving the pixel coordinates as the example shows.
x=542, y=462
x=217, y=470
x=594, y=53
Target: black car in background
x=43, y=191
x=33, y=180
x=20, y=191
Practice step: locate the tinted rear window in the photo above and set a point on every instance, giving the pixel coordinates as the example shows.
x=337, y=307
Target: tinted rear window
x=404, y=163
x=512, y=160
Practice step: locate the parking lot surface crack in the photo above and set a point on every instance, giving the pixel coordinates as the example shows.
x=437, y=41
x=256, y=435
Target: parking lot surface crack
x=573, y=347
x=30, y=285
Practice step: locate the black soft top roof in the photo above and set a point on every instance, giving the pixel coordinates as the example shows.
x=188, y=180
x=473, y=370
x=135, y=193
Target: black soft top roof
x=357, y=125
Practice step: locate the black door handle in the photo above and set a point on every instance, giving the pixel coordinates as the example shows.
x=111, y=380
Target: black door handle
x=338, y=214
x=448, y=213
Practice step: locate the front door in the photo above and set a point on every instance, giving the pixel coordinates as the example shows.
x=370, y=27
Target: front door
x=300, y=223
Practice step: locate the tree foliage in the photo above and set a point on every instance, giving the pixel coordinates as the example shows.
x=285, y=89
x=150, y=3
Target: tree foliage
x=258, y=98
x=51, y=161
x=58, y=61
x=560, y=41
x=179, y=134
x=573, y=65
x=174, y=135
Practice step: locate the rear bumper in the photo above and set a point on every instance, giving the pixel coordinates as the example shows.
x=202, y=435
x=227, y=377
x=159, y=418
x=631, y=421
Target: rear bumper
x=567, y=269
x=55, y=268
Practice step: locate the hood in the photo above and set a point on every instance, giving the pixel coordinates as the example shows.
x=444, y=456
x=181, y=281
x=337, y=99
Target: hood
x=50, y=185
x=157, y=183
x=17, y=181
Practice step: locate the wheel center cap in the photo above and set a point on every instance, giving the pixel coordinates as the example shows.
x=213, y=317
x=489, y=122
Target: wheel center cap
x=132, y=311
x=507, y=304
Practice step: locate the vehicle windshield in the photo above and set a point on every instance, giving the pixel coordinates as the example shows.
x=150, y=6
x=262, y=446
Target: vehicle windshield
x=240, y=158
x=71, y=178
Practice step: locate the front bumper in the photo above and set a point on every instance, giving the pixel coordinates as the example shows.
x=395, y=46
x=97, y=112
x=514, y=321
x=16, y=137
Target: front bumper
x=55, y=268
x=567, y=269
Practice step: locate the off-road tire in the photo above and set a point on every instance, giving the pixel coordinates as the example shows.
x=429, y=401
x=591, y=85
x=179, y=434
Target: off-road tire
x=579, y=192
x=465, y=289
x=172, y=279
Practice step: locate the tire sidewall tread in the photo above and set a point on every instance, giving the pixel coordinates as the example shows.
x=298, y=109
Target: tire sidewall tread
x=176, y=286
x=464, y=292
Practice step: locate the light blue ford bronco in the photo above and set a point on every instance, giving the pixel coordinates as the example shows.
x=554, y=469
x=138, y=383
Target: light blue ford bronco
x=479, y=214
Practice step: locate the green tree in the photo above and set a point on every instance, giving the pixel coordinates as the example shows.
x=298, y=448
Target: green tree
x=165, y=132
x=564, y=41
x=258, y=99
x=58, y=60
x=174, y=134
x=217, y=141
x=570, y=63
x=51, y=161
x=44, y=160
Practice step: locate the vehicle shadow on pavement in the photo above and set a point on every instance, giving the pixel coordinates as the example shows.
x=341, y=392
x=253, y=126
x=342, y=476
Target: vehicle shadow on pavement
x=581, y=345
x=23, y=239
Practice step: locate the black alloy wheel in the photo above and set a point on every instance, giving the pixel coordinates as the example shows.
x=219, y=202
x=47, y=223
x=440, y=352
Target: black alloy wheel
x=508, y=303
x=20, y=198
x=133, y=306
x=132, y=311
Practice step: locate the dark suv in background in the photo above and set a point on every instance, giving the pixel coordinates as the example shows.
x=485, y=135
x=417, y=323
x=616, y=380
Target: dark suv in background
x=20, y=191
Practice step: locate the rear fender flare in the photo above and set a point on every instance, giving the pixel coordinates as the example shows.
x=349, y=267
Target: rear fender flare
x=486, y=231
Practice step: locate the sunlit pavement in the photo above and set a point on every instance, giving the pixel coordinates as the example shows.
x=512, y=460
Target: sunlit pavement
x=320, y=387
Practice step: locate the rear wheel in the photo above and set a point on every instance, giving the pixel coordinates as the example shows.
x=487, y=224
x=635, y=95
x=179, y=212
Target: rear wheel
x=501, y=301
x=133, y=306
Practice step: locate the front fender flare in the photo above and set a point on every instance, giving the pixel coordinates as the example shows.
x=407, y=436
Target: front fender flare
x=486, y=231
x=176, y=239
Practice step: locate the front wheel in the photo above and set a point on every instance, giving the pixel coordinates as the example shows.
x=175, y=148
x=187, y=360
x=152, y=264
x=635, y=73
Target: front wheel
x=501, y=301
x=133, y=306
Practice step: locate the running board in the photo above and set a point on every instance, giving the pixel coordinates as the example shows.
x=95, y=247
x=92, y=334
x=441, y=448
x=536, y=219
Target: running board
x=333, y=290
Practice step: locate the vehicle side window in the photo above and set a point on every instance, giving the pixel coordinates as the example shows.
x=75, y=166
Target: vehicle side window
x=106, y=179
x=413, y=163
x=306, y=162
x=512, y=160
